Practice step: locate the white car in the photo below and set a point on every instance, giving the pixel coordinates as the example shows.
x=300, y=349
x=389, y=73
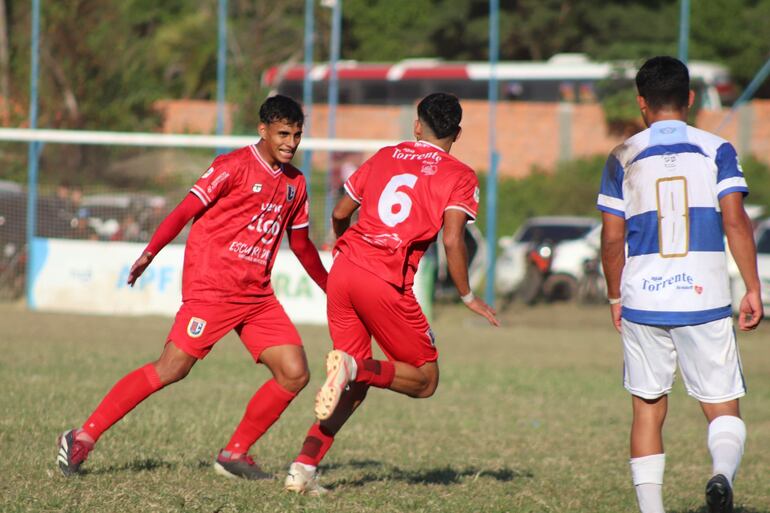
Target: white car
x=762, y=237
x=568, y=267
x=512, y=263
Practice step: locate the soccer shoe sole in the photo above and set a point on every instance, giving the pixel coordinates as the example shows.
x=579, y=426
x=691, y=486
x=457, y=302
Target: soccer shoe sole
x=719, y=495
x=337, y=377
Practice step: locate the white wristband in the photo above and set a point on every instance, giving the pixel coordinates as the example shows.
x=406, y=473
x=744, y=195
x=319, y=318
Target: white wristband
x=613, y=300
x=468, y=298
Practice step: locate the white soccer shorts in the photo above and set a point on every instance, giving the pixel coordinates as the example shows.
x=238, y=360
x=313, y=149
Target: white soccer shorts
x=707, y=353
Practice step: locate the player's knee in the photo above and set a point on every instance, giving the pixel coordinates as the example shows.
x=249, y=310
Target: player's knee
x=171, y=372
x=293, y=376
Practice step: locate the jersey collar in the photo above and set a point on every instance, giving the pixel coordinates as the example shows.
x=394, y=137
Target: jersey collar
x=273, y=172
x=426, y=143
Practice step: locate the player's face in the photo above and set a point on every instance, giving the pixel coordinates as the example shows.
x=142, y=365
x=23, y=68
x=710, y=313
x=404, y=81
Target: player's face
x=280, y=140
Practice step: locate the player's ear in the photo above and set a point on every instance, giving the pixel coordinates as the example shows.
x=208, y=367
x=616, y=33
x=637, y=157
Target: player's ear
x=417, y=129
x=262, y=130
x=690, y=99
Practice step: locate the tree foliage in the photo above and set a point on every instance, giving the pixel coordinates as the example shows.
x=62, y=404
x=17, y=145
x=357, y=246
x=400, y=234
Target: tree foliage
x=105, y=62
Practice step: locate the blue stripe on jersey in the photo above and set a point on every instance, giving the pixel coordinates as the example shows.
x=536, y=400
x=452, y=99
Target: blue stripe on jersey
x=612, y=178
x=742, y=190
x=611, y=211
x=662, y=149
x=705, y=232
x=727, y=163
x=675, y=318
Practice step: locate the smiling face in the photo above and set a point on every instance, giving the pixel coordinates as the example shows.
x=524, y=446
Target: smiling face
x=280, y=140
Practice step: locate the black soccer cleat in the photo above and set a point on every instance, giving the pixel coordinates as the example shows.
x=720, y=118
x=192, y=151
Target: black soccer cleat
x=72, y=453
x=242, y=466
x=719, y=495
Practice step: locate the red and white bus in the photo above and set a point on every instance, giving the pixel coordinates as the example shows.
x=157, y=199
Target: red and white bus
x=564, y=77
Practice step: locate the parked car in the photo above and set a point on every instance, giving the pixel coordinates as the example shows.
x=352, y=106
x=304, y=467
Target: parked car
x=576, y=269
x=512, y=263
x=762, y=238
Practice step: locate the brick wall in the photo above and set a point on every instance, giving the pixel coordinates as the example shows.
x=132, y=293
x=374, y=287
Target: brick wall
x=528, y=134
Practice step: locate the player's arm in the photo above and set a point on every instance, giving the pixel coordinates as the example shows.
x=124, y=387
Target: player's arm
x=342, y=214
x=168, y=229
x=740, y=237
x=307, y=254
x=613, y=259
x=457, y=263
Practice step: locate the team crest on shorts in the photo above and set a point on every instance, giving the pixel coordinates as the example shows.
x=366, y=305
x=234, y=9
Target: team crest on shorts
x=290, y=192
x=195, y=327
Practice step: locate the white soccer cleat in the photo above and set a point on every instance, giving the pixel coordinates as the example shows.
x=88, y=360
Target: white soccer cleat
x=303, y=481
x=339, y=368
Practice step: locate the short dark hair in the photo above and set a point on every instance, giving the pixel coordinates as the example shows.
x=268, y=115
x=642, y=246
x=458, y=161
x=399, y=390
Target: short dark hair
x=281, y=108
x=664, y=82
x=442, y=113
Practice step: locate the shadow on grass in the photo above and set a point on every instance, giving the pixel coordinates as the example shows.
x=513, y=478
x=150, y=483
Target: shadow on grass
x=145, y=465
x=436, y=476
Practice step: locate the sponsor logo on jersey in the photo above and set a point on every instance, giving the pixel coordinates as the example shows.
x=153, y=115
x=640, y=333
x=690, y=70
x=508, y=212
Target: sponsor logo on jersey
x=219, y=179
x=208, y=172
x=290, y=192
x=257, y=187
x=407, y=154
x=195, y=327
x=669, y=160
x=698, y=289
x=429, y=168
x=681, y=281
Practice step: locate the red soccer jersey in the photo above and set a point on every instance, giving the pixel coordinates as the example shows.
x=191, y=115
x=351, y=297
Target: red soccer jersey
x=403, y=192
x=232, y=245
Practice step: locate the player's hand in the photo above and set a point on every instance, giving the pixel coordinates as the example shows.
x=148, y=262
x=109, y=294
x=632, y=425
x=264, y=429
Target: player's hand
x=615, y=314
x=139, y=266
x=481, y=308
x=750, y=312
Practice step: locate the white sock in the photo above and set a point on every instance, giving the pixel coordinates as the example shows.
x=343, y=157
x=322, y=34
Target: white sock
x=726, y=439
x=647, y=476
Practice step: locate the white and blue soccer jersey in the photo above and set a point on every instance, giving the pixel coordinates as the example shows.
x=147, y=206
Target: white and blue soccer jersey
x=666, y=182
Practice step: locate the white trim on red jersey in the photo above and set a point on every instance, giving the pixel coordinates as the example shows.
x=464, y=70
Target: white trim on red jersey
x=273, y=172
x=349, y=189
x=201, y=194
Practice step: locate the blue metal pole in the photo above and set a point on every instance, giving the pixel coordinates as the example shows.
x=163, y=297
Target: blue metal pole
x=747, y=94
x=684, y=29
x=221, y=68
x=333, y=97
x=494, y=157
x=33, y=152
x=307, y=92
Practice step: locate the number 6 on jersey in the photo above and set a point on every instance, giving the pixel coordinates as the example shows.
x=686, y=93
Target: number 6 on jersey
x=394, y=206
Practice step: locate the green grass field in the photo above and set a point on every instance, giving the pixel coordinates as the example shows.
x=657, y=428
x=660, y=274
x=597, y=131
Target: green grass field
x=530, y=417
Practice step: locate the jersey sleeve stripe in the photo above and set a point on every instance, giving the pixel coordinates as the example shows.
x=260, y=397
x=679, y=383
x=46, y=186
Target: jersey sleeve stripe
x=609, y=202
x=736, y=182
x=612, y=211
x=464, y=209
x=349, y=189
x=201, y=194
x=301, y=225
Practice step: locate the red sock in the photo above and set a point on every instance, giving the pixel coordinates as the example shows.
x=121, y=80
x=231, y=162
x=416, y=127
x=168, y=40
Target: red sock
x=263, y=410
x=134, y=388
x=378, y=373
x=316, y=445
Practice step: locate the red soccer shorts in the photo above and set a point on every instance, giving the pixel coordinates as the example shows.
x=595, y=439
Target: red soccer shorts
x=360, y=304
x=200, y=324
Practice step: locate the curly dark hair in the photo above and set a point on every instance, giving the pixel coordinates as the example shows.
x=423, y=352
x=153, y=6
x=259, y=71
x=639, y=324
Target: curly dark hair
x=664, y=82
x=281, y=108
x=442, y=113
